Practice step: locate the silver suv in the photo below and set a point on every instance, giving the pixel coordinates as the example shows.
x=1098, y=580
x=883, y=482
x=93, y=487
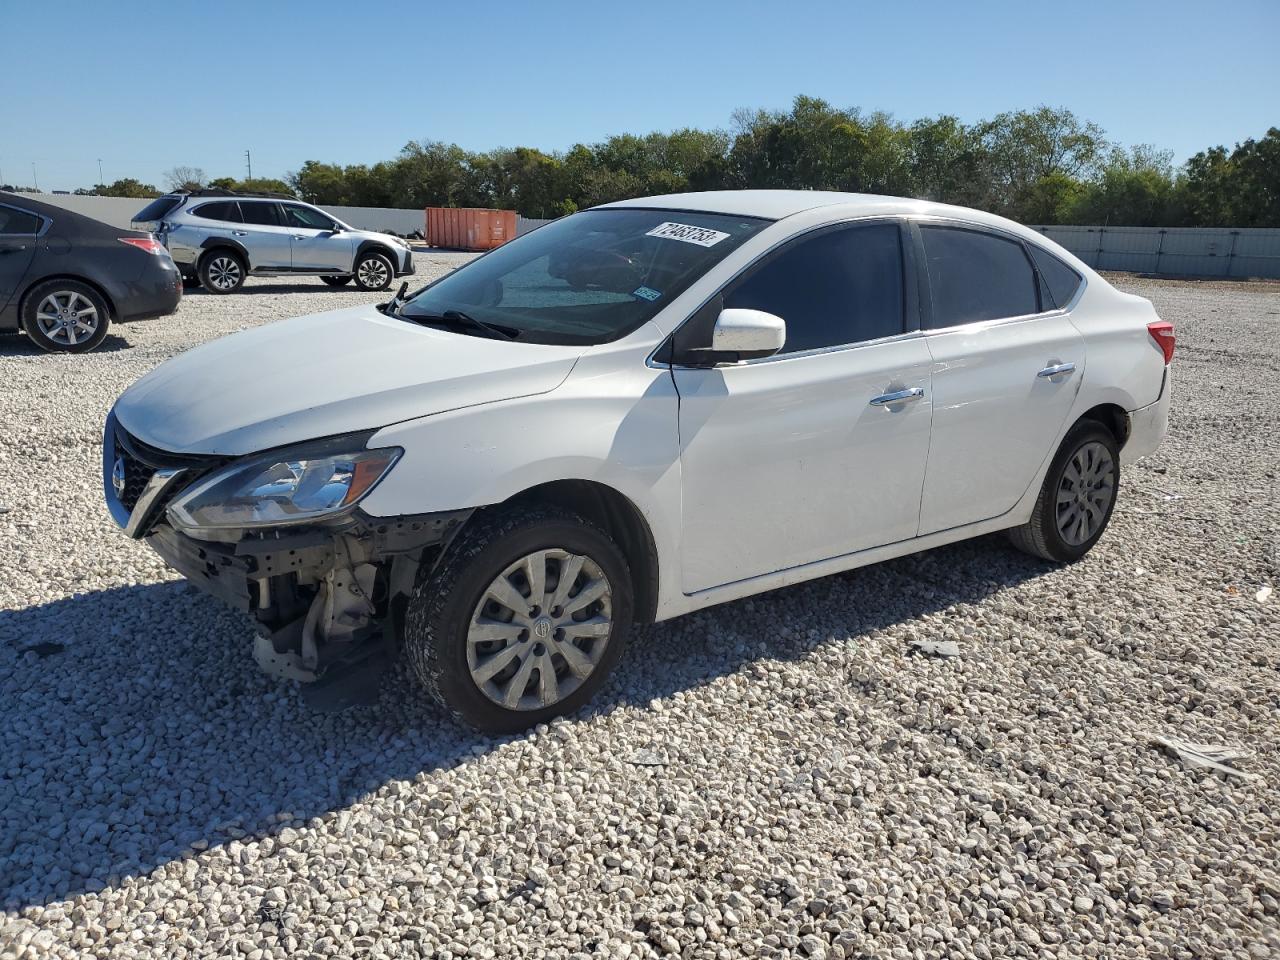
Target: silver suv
x=218, y=237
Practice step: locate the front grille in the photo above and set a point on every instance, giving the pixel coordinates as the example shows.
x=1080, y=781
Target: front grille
x=141, y=461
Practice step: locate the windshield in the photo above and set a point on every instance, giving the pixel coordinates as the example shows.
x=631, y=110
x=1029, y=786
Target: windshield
x=589, y=278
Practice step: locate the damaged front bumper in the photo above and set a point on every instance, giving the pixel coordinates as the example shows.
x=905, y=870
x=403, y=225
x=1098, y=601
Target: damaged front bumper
x=327, y=594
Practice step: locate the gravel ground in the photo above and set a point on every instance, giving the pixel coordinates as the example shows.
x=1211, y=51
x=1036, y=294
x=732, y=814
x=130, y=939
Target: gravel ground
x=778, y=777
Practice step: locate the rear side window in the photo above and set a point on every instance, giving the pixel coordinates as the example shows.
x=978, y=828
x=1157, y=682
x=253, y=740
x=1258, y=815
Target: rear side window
x=841, y=286
x=227, y=211
x=977, y=276
x=157, y=209
x=1061, y=281
x=264, y=214
x=18, y=221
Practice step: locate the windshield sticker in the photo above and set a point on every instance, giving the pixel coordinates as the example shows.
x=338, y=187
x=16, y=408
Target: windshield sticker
x=647, y=293
x=702, y=236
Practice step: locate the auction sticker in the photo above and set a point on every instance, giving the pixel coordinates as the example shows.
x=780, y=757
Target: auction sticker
x=647, y=293
x=702, y=236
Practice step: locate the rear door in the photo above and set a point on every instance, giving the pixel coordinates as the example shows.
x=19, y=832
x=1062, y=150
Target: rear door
x=265, y=235
x=1006, y=371
x=806, y=455
x=315, y=241
x=19, y=234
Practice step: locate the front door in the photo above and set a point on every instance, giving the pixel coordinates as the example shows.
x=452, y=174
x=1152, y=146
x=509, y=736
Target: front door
x=317, y=243
x=808, y=455
x=1005, y=375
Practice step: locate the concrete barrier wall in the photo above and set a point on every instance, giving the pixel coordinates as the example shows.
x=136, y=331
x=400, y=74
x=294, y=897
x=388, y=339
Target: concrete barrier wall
x=1175, y=251
x=1171, y=251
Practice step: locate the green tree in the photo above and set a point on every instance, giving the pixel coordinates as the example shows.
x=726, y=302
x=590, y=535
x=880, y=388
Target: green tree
x=126, y=187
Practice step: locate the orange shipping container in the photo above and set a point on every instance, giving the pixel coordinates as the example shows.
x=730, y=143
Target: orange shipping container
x=469, y=228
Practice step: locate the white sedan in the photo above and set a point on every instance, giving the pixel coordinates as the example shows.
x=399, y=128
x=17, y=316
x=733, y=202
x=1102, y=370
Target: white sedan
x=635, y=412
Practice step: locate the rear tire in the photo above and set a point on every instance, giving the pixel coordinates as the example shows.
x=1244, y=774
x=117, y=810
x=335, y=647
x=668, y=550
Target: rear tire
x=222, y=271
x=65, y=316
x=1077, y=499
x=374, y=271
x=483, y=659
x=336, y=281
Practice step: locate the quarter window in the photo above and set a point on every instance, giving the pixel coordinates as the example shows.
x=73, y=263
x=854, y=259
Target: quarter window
x=18, y=222
x=1062, y=281
x=224, y=210
x=263, y=214
x=838, y=287
x=977, y=276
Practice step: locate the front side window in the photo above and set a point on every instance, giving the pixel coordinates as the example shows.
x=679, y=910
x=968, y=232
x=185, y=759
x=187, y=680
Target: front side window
x=977, y=276
x=589, y=278
x=1061, y=280
x=837, y=287
x=18, y=222
x=262, y=214
x=307, y=218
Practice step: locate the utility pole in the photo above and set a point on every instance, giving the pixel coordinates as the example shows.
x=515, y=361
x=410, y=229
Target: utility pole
x=100, y=180
x=248, y=162
x=34, y=180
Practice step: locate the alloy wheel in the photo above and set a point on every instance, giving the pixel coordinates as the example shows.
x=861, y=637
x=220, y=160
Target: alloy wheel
x=373, y=273
x=67, y=317
x=1085, y=493
x=540, y=629
x=224, y=273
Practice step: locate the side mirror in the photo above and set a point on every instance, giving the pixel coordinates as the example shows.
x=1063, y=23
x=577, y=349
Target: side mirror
x=745, y=335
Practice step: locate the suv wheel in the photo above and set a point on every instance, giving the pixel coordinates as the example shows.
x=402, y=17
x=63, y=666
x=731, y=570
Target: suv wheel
x=527, y=613
x=337, y=281
x=222, y=271
x=65, y=316
x=1077, y=498
x=374, y=271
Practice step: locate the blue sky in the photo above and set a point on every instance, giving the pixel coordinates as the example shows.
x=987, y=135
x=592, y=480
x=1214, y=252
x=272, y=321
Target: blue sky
x=147, y=86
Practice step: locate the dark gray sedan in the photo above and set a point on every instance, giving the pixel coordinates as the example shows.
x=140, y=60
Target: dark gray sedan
x=65, y=277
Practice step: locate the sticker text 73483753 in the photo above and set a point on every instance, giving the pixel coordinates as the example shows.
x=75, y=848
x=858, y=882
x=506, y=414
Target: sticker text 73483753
x=702, y=236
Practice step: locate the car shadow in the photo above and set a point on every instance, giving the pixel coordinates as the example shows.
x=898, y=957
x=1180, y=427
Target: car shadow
x=20, y=345
x=250, y=289
x=114, y=766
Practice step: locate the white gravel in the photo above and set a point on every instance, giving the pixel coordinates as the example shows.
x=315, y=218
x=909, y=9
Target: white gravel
x=778, y=777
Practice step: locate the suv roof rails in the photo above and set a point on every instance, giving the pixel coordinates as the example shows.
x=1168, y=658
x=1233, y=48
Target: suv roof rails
x=223, y=192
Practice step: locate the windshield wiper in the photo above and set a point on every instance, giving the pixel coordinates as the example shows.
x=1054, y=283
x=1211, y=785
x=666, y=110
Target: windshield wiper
x=459, y=319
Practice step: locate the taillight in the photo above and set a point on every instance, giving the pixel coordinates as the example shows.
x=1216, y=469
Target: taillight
x=149, y=244
x=1162, y=333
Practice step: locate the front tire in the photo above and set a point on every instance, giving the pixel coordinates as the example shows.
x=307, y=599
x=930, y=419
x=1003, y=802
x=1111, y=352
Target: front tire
x=374, y=271
x=526, y=615
x=222, y=271
x=1077, y=499
x=65, y=316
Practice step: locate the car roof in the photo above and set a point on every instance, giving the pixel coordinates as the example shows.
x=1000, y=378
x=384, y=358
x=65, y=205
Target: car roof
x=779, y=204
x=62, y=217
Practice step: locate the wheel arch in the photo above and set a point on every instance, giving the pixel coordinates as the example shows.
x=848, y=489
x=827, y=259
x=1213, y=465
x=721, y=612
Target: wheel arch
x=1112, y=416
x=619, y=517
x=78, y=278
x=375, y=246
x=213, y=244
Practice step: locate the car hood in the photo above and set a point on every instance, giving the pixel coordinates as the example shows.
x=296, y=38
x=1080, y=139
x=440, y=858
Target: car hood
x=327, y=374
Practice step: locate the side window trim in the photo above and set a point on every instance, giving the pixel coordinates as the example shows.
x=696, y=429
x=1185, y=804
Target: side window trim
x=45, y=222
x=912, y=321
x=926, y=292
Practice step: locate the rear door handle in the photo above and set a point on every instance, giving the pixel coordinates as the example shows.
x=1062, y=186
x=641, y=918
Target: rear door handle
x=240, y=233
x=1057, y=370
x=898, y=396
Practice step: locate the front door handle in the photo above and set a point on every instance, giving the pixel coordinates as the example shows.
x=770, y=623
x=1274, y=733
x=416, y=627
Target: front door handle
x=898, y=396
x=1057, y=370
x=240, y=233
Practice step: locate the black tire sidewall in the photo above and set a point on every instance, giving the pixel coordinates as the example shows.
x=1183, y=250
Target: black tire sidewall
x=1087, y=431
x=208, y=258
x=336, y=281
x=374, y=255
x=31, y=303
x=440, y=611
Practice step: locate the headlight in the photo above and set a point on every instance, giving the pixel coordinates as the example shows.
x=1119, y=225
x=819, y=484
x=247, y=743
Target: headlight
x=289, y=486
